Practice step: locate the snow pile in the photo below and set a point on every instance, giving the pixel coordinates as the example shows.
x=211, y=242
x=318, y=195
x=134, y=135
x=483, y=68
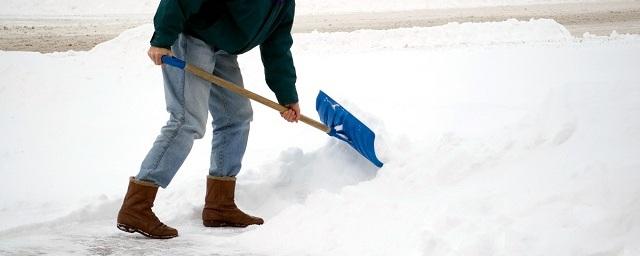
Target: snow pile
x=509, y=138
x=45, y=8
x=311, y=7
x=450, y=35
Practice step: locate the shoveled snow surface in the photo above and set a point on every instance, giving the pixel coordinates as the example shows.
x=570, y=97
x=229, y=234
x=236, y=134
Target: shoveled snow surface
x=303, y=7
x=509, y=138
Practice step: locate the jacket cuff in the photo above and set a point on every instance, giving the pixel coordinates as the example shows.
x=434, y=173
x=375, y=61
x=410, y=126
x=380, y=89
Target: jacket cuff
x=287, y=97
x=160, y=40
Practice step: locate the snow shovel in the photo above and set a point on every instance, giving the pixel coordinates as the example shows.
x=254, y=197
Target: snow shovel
x=338, y=122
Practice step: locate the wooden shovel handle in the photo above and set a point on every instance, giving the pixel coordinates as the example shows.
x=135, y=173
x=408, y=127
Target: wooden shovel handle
x=249, y=94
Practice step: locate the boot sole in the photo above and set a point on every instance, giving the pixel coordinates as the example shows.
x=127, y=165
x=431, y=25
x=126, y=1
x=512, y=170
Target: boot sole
x=220, y=224
x=130, y=229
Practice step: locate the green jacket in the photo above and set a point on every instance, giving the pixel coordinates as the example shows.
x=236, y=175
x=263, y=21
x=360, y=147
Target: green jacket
x=236, y=26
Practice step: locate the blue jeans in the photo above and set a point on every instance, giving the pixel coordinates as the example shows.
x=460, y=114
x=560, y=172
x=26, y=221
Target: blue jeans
x=189, y=100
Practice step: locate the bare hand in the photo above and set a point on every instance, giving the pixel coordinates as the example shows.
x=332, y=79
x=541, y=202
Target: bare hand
x=293, y=114
x=156, y=53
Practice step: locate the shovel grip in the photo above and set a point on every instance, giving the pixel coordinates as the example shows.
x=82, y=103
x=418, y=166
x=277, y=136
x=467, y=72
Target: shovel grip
x=173, y=61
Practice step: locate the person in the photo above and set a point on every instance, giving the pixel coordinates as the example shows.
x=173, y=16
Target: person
x=210, y=34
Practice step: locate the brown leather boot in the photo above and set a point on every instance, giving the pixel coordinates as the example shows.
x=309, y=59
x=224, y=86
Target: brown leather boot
x=136, y=216
x=220, y=209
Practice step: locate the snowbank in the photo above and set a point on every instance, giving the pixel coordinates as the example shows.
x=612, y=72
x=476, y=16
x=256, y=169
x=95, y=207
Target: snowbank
x=304, y=7
x=311, y=7
x=509, y=138
x=450, y=35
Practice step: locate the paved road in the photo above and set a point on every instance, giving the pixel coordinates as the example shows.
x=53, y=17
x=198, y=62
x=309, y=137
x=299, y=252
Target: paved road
x=82, y=33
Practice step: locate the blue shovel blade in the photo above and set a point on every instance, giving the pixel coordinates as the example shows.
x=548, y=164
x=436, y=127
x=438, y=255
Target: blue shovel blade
x=347, y=127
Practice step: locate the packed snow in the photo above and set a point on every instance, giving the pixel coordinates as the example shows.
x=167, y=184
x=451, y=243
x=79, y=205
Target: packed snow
x=47, y=8
x=506, y=138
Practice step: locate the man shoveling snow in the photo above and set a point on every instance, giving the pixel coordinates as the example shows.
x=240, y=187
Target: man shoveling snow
x=210, y=34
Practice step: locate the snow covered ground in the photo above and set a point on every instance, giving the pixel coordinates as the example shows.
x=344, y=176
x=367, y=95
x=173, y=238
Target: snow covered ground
x=508, y=138
x=30, y=8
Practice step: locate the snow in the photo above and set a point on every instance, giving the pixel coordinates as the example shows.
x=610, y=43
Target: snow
x=505, y=138
x=44, y=8
x=311, y=7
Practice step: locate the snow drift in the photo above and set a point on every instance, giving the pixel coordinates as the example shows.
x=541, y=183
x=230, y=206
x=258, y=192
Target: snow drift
x=508, y=138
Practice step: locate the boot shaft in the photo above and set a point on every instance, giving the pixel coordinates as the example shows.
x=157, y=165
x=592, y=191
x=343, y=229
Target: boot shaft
x=220, y=192
x=140, y=194
x=220, y=209
x=136, y=215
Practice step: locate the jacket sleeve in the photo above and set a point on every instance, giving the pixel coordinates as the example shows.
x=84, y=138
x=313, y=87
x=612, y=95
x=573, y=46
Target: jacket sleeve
x=170, y=19
x=279, y=71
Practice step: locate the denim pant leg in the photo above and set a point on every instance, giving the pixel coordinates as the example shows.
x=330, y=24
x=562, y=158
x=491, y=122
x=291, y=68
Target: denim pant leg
x=231, y=114
x=187, y=99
